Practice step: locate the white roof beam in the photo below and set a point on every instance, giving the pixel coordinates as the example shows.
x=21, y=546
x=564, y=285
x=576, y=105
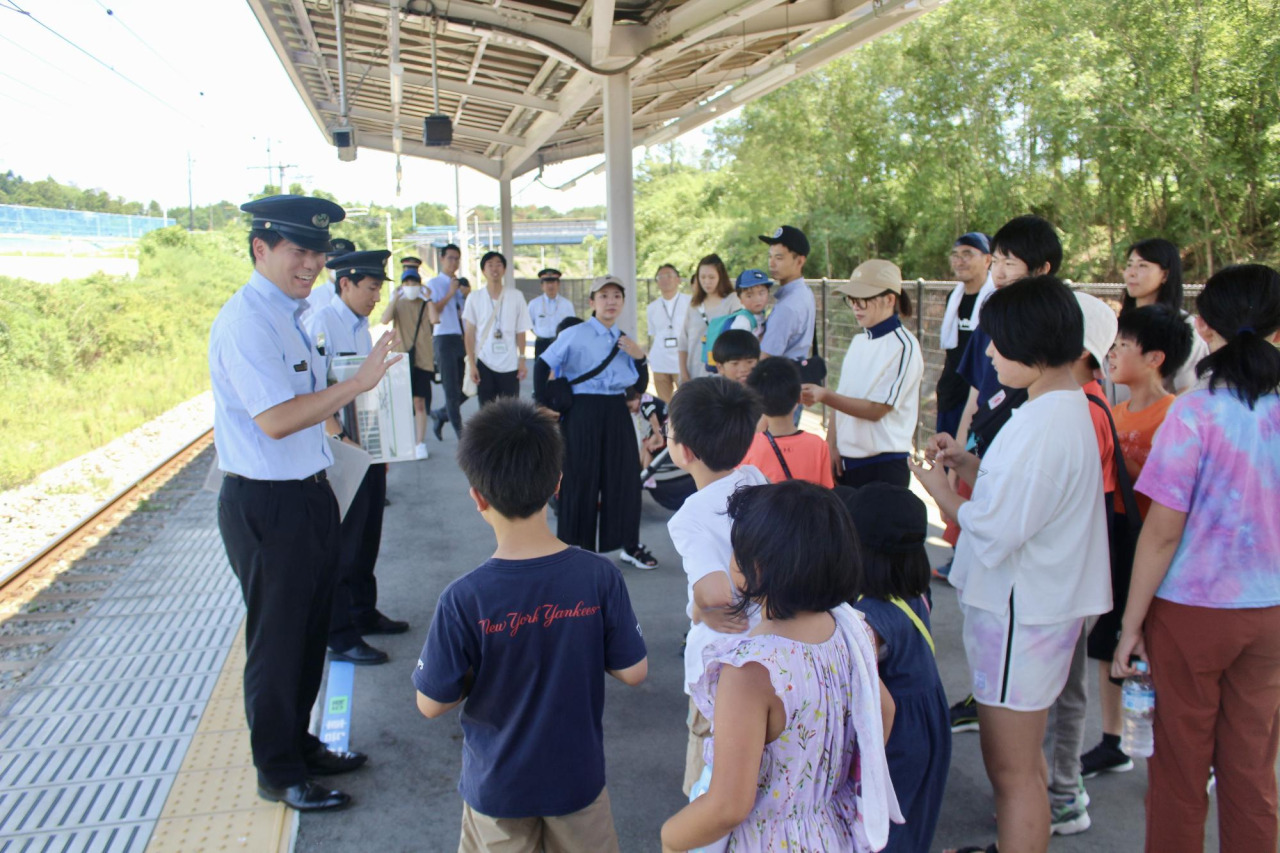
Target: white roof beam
x=573, y=96
x=506, y=97
x=480, y=163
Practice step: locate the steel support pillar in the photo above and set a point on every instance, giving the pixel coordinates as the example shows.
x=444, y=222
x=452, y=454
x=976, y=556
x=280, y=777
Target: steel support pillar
x=508, y=229
x=620, y=191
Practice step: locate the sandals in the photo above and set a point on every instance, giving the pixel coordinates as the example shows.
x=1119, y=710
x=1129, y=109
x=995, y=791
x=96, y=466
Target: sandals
x=640, y=558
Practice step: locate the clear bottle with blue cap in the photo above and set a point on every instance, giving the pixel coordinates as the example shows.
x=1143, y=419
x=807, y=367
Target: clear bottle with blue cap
x=1139, y=703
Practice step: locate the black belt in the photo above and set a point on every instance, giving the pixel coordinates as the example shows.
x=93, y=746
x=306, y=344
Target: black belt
x=317, y=477
x=540, y=338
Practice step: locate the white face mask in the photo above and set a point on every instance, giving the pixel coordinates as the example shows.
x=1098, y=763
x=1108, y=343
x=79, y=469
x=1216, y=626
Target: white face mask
x=411, y=291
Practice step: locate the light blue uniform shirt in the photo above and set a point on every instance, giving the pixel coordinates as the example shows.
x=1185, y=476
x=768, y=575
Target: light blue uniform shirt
x=451, y=315
x=260, y=357
x=344, y=331
x=545, y=314
x=580, y=348
x=788, y=331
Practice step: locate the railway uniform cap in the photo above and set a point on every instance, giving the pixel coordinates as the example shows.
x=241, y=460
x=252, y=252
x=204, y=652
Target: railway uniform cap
x=976, y=239
x=410, y=261
x=340, y=246
x=871, y=278
x=791, y=237
x=601, y=281
x=752, y=278
x=543, y=275
x=357, y=265
x=410, y=274
x=300, y=219
x=887, y=517
x=1100, y=326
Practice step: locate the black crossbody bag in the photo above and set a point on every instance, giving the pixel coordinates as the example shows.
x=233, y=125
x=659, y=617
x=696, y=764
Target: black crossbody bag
x=559, y=393
x=813, y=368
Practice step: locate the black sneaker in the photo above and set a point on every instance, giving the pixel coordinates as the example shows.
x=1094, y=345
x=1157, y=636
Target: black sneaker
x=1104, y=759
x=964, y=715
x=640, y=557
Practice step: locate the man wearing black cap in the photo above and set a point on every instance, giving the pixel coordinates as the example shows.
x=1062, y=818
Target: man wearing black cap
x=276, y=513
x=546, y=312
x=344, y=325
x=788, y=332
x=971, y=265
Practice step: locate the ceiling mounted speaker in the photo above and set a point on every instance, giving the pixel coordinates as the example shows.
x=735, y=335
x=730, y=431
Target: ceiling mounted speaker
x=437, y=130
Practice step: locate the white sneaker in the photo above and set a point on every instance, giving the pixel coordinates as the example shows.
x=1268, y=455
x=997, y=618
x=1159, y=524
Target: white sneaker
x=420, y=451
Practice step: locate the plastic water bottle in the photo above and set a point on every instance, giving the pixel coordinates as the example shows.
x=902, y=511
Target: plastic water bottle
x=1139, y=711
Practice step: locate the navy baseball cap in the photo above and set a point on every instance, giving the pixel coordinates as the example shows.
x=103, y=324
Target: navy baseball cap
x=752, y=278
x=300, y=219
x=976, y=239
x=887, y=517
x=357, y=265
x=410, y=273
x=791, y=237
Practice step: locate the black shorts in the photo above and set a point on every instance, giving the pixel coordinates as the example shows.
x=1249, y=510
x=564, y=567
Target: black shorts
x=421, y=381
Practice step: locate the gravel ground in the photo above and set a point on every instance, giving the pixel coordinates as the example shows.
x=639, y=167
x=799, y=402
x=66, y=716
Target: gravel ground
x=33, y=514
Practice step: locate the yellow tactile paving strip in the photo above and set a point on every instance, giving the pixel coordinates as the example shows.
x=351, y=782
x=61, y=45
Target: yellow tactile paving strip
x=213, y=804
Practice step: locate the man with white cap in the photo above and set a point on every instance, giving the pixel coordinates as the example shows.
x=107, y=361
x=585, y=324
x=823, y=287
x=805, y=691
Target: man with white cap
x=877, y=401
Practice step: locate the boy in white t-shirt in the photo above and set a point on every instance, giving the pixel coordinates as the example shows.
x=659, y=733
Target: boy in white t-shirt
x=1032, y=560
x=710, y=425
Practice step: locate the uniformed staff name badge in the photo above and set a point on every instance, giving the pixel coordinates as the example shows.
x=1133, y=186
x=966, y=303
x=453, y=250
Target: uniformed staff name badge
x=300, y=367
x=670, y=343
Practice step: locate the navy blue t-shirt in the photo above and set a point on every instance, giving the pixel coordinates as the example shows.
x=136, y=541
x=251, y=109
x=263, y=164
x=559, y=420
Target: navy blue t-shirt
x=976, y=367
x=538, y=636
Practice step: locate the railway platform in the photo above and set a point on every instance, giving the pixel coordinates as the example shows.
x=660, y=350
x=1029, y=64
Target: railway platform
x=129, y=735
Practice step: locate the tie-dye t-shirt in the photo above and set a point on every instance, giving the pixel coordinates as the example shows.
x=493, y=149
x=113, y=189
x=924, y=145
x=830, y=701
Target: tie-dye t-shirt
x=1219, y=462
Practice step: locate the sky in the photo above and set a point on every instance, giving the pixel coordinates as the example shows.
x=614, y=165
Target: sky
x=200, y=79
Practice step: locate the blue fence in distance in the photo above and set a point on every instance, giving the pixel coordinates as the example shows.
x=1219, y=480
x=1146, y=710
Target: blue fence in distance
x=49, y=222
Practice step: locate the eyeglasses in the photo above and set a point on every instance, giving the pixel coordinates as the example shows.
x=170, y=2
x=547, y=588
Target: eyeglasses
x=861, y=304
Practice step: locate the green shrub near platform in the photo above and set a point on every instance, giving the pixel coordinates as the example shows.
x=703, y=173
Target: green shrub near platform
x=85, y=361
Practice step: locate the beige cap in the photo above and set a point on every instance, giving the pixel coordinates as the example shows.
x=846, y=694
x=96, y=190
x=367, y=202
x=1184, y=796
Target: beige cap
x=871, y=278
x=600, y=281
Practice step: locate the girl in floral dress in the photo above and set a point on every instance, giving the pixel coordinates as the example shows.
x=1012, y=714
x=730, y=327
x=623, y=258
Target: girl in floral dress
x=799, y=715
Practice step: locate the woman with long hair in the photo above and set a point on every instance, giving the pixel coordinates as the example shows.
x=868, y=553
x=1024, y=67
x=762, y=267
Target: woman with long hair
x=713, y=297
x=1153, y=276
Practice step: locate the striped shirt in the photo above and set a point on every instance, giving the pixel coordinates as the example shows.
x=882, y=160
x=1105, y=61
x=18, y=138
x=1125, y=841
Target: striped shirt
x=883, y=365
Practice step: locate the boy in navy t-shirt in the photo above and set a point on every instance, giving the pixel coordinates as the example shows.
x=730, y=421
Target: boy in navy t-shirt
x=523, y=643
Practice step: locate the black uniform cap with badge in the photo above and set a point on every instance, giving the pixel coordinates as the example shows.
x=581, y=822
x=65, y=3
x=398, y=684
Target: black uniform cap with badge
x=302, y=220
x=357, y=265
x=549, y=273
x=340, y=246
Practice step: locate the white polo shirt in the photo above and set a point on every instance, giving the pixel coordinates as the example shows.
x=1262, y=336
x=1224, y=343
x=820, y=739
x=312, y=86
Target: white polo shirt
x=496, y=347
x=883, y=365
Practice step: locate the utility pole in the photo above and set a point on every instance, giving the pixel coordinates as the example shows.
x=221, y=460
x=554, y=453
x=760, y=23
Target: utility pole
x=191, y=206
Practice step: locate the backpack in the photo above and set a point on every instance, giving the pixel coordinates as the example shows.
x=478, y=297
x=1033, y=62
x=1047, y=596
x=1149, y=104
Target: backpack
x=718, y=326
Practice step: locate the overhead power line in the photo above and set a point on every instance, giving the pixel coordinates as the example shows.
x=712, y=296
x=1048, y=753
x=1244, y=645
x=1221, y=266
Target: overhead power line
x=111, y=13
x=12, y=6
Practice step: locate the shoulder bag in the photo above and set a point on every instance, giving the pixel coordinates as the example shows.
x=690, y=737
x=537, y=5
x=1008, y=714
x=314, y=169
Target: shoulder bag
x=559, y=392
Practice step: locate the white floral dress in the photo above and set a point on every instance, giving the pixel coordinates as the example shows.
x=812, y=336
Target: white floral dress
x=824, y=783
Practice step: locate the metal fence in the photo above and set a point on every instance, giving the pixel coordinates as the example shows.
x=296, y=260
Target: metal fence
x=16, y=219
x=836, y=326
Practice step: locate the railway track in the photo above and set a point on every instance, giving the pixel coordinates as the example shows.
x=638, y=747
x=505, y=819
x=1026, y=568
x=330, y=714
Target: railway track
x=41, y=597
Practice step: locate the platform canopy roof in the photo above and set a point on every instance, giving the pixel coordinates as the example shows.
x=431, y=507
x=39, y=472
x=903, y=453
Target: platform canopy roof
x=522, y=80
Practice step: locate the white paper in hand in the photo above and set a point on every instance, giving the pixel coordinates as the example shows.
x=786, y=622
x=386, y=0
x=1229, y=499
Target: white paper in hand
x=346, y=473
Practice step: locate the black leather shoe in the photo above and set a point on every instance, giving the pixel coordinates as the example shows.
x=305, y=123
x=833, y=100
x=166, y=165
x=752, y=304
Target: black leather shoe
x=380, y=624
x=361, y=654
x=331, y=762
x=437, y=426
x=305, y=797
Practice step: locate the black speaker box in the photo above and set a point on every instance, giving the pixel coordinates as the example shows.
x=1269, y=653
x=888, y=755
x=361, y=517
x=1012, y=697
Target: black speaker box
x=437, y=130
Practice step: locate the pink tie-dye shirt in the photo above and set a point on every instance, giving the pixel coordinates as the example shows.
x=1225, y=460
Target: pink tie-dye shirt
x=1219, y=462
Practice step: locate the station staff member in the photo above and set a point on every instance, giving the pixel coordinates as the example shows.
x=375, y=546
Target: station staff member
x=602, y=460
x=323, y=294
x=666, y=315
x=276, y=513
x=344, y=326
x=879, y=395
x=545, y=314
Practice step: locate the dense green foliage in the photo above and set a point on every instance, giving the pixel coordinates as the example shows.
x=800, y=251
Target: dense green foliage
x=85, y=361
x=15, y=189
x=1116, y=121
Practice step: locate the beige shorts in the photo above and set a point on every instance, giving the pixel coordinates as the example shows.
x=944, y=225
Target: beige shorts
x=699, y=731
x=588, y=830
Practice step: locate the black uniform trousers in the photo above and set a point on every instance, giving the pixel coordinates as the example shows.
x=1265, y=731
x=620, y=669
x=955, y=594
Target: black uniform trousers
x=541, y=371
x=493, y=384
x=601, y=475
x=355, y=598
x=281, y=538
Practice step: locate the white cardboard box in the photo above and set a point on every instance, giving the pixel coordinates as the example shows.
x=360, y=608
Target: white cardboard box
x=381, y=420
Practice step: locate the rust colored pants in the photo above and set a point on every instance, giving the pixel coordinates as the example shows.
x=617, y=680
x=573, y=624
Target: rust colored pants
x=1217, y=680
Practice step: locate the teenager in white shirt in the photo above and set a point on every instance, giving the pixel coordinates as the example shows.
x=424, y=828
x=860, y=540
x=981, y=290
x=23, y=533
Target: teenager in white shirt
x=666, y=316
x=878, y=396
x=496, y=319
x=1032, y=560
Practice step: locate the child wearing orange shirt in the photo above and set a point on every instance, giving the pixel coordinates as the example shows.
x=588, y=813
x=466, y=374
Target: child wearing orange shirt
x=804, y=455
x=1152, y=344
